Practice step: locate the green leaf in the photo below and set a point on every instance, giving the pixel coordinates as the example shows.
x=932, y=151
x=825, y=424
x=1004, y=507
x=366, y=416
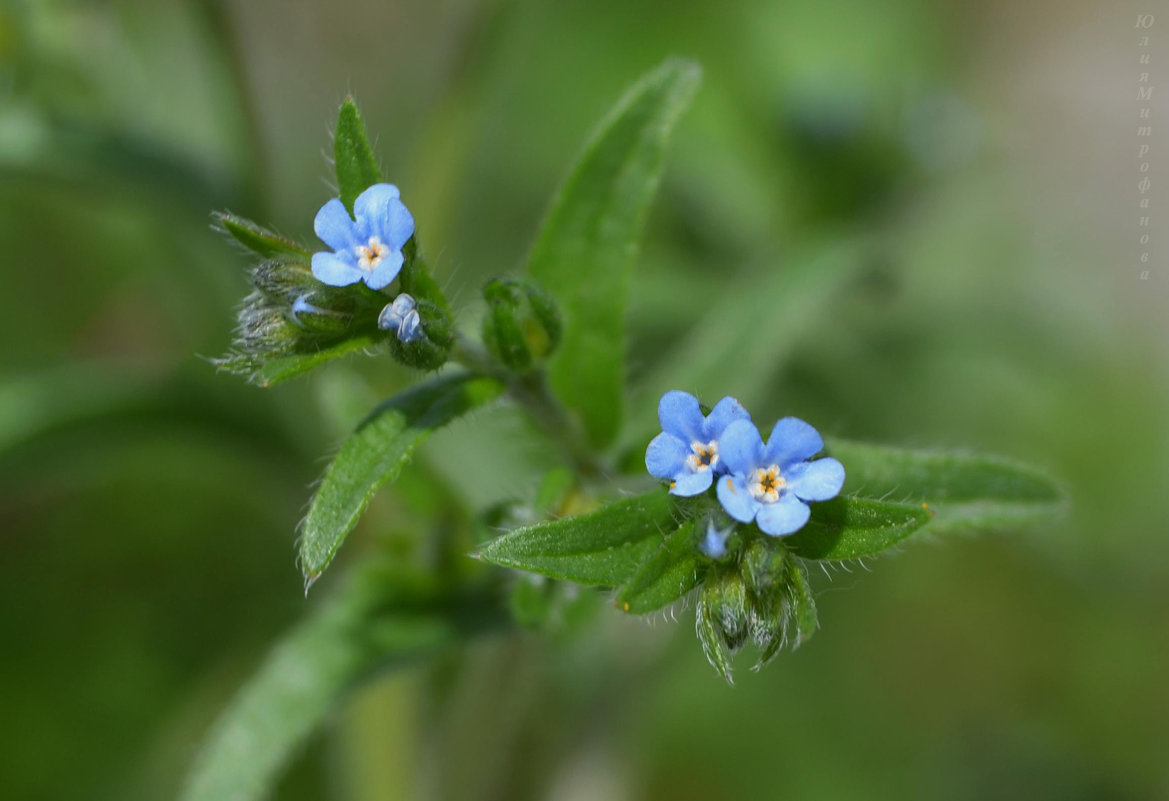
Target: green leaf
x=353, y=158
x=847, y=528
x=776, y=307
x=585, y=250
x=376, y=452
x=604, y=547
x=668, y=574
x=283, y=368
x=966, y=492
x=257, y=239
x=382, y=619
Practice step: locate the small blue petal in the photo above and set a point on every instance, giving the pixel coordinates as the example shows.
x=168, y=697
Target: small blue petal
x=739, y=448
x=736, y=498
x=335, y=227
x=386, y=270
x=714, y=544
x=725, y=412
x=328, y=268
x=816, y=481
x=381, y=213
x=687, y=484
x=679, y=414
x=666, y=456
x=785, y=516
x=792, y=440
x=411, y=328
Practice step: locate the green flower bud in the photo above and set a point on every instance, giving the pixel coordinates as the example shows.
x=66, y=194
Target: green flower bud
x=729, y=600
x=522, y=326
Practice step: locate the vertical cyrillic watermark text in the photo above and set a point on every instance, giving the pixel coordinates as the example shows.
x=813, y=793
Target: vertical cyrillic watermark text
x=1144, y=142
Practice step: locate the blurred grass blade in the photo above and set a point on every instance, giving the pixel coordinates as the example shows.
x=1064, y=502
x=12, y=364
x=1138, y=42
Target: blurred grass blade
x=747, y=334
x=382, y=619
x=584, y=252
x=256, y=238
x=604, y=547
x=966, y=492
x=676, y=568
x=848, y=528
x=282, y=368
x=376, y=452
x=353, y=158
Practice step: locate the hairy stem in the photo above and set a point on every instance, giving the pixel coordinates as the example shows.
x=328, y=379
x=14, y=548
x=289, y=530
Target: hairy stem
x=531, y=392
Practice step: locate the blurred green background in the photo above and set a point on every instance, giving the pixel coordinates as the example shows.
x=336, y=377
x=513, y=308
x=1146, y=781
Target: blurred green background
x=977, y=161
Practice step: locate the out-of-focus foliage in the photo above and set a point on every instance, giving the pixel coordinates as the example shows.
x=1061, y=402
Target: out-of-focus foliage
x=876, y=160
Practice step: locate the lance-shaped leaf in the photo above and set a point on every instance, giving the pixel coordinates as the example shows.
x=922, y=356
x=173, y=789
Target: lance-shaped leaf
x=966, y=492
x=257, y=239
x=269, y=372
x=847, y=528
x=604, y=547
x=353, y=158
x=383, y=619
x=585, y=250
x=675, y=568
x=376, y=452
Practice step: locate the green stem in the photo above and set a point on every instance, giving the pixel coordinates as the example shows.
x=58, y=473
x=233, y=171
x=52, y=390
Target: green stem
x=531, y=392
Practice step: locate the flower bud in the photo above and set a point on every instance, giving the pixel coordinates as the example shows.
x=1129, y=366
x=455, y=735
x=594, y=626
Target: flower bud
x=423, y=334
x=522, y=326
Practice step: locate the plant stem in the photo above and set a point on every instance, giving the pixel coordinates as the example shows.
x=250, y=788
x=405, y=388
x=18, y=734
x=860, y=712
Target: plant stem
x=531, y=392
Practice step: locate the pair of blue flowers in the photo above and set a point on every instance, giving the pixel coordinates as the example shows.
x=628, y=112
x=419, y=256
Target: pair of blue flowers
x=368, y=248
x=770, y=484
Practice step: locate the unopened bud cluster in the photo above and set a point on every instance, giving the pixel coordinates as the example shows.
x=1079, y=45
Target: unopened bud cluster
x=759, y=595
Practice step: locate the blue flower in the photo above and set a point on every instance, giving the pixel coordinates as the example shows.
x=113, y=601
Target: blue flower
x=687, y=450
x=771, y=484
x=401, y=316
x=369, y=249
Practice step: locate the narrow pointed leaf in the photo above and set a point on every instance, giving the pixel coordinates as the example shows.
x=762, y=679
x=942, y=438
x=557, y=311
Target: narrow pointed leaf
x=282, y=368
x=847, y=528
x=585, y=250
x=376, y=452
x=353, y=158
x=257, y=239
x=381, y=620
x=966, y=492
x=674, y=569
x=604, y=547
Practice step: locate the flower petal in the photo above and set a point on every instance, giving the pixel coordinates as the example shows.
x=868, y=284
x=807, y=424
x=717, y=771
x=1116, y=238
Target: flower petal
x=386, y=271
x=679, y=415
x=687, y=484
x=714, y=543
x=736, y=499
x=792, y=440
x=381, y=213
x=739, y=447
x=816, y=481
x=725, y=412
x=411, y=328
x=785, y=516
x=666, y=456
x=335, y=227
x=328, y=268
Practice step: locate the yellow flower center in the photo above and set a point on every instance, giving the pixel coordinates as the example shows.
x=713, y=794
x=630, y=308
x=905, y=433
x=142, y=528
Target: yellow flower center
x=704, y=456
x=370, y=255
x=765, y=483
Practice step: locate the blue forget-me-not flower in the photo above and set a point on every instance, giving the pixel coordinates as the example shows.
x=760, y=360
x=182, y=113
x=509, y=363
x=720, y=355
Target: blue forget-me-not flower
x=367, y=249
x=402, y=317
x=687, y=450
x=771, y=484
